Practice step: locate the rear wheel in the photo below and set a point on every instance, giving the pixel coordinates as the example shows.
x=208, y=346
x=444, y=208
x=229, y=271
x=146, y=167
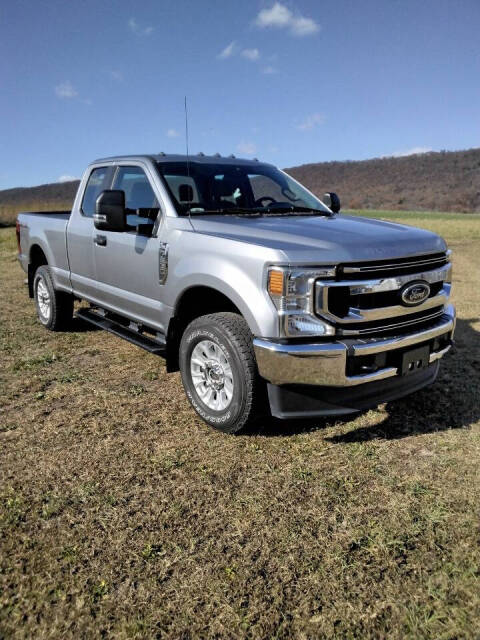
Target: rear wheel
x=54, y=308
x=219, y=371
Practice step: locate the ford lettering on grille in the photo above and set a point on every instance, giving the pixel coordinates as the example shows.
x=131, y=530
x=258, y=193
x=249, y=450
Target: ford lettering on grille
x=415, y=293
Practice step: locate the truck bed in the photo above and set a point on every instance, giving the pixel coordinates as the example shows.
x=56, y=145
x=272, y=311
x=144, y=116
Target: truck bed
x=61, y=215
x=45, y=231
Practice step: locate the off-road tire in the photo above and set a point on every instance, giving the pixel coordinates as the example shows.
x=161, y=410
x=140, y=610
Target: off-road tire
x=60, y=313
x=231, y=333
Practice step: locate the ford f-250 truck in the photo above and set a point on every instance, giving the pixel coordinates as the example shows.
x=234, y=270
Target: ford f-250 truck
x=264, y=297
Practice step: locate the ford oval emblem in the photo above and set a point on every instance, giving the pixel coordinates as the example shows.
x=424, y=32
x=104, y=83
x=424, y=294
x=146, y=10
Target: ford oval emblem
x=415, y=293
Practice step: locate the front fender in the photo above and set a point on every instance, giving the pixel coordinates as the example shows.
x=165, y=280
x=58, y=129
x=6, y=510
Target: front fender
x=243, y=286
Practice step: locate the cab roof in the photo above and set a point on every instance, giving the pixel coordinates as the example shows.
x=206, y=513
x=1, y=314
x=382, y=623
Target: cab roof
x=174, y=157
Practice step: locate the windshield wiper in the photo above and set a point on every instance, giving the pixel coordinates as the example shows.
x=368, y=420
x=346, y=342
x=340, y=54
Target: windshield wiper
x=196, y=211
x=295, y=209
x=255, y=211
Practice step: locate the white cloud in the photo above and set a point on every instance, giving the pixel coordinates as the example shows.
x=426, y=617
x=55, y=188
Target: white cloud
x=303, y=26
x=117, y=75
x=277, y=16
x=268, y=70
x=172, y=133
x=280, y=17
x=66, y=90
x=137, y=29
x=411, y=152
x=251, y=54
x=133, y=26
x=232, y=49
x=311, y=122
x=66, y=178
x=227, y=52
x=249, y=148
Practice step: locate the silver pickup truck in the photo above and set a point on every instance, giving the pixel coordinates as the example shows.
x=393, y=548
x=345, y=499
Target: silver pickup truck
x=264, y=297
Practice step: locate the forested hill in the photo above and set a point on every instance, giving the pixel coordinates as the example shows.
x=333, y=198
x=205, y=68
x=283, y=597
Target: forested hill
x=435, y=181
x=56, y=196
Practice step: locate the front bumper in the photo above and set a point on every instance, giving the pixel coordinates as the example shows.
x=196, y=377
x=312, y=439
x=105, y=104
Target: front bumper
x=328, y=363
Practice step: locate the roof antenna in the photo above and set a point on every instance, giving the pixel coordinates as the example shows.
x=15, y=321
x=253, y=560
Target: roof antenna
x=186, y=144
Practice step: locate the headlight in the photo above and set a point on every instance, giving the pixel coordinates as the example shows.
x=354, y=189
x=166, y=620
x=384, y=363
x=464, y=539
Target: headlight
x=292, y=293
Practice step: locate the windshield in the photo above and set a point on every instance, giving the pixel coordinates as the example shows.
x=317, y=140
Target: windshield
x=230, y=188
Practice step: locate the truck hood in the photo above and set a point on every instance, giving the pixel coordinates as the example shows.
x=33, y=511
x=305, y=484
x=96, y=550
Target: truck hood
x=322, y=239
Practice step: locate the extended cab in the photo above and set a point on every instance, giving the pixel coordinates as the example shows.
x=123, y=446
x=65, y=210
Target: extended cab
x=265, y=297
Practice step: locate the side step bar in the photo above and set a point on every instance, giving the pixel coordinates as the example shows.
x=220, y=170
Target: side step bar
x=102, y=320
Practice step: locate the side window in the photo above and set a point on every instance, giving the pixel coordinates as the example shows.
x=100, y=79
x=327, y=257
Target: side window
x=138, y=195
x=97, y=182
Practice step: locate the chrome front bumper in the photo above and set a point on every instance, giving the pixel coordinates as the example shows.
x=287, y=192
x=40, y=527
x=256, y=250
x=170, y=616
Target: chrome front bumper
x=325, y=364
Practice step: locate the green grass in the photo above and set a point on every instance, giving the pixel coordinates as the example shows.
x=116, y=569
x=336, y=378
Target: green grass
x=454, y=226
x=123, y=516
x=400, y=216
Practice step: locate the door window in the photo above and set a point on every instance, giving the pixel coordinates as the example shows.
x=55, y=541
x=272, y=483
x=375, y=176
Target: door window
x=97, y=182
x=140, y=200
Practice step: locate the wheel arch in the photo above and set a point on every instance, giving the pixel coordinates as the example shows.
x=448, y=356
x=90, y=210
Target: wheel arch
x=193, y=302
x=36, y=258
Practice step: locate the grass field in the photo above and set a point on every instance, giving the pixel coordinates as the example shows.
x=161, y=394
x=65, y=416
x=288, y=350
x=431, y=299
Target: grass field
x=123, y=516
x=9, y=213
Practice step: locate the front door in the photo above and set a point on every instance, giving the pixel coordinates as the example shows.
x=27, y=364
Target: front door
x=81, y=233
x=127, y=262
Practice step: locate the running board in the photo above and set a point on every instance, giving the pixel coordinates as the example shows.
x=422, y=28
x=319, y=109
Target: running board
x=102, y=320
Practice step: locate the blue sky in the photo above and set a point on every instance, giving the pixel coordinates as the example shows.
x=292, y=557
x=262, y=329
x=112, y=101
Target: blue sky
x=289, y=82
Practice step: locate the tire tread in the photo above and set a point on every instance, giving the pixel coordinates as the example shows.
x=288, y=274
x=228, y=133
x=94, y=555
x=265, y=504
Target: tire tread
x=241, y=337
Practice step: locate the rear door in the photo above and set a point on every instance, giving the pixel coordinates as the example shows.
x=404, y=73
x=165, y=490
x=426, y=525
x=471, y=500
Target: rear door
x=127, y=262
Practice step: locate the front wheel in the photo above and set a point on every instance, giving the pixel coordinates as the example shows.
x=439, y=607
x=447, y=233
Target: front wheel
x=219, y=371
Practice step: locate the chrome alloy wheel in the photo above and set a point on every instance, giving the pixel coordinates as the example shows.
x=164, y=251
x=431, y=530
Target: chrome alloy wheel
x=212, y=375
x=43, y=298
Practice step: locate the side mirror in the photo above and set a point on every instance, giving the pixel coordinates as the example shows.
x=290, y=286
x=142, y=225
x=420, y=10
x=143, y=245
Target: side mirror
x=110, y=214
x=332, y=201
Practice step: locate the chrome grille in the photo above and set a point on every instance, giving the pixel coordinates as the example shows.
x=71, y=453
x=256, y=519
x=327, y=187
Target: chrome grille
x=365, y=299
x=381, y=327
x=384, y=268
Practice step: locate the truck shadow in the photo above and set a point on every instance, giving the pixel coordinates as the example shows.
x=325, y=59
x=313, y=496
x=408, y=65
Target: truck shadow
x=452, y=402
x=79, y=325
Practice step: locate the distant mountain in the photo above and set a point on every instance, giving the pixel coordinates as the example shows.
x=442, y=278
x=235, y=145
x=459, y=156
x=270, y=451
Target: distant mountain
x=56, y=196
x=436, y=181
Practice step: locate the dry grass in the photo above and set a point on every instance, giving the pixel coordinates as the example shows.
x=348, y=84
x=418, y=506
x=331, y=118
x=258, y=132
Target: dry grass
x=9, y=212
x=122, y=515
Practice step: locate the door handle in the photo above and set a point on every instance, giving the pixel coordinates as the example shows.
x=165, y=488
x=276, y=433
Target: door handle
x=101, y=241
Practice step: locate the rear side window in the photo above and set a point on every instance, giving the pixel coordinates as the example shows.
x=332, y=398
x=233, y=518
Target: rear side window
x=97, y=182
x=183, y=188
